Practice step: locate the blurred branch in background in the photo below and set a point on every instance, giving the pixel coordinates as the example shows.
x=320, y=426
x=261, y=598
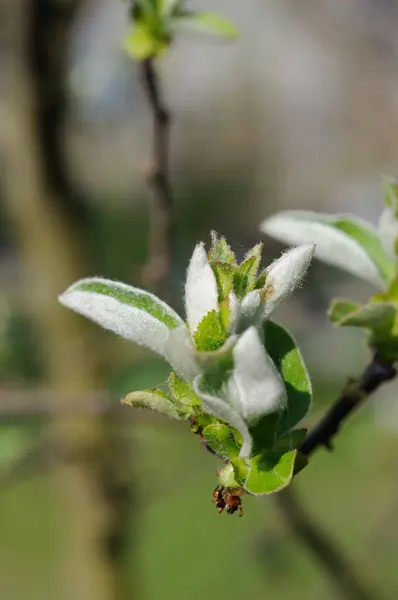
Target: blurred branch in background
x=374, y=375
x=330, y=558
x=157, y=271
x=92, y=473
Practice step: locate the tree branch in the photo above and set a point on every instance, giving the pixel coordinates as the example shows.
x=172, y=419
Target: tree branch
x=158, y=268
x=375, y=374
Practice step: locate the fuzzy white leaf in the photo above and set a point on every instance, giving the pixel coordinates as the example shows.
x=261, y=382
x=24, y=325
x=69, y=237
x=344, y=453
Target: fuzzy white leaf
x=181, y=353
x=248, y=311
x=255, y=387
x=132, y=313
x=233, y=311
x=201, y=295
x=220, y=409
x=284, y=275
x=333, y=246
x=388, y=232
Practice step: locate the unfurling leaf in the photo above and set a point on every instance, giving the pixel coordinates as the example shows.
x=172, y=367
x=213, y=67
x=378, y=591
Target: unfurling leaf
x=220, y=251
x=340, y=309
x=182, y=392
x=157, y=401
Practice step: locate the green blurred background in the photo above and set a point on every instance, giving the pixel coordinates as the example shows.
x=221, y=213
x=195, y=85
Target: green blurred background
x=98, y=502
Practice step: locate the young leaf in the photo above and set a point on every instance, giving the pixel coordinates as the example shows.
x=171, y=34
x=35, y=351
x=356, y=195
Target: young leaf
x=220, y=251
x=224, y=274
x=216, y=406
x=287, y=358
x=388, y=231
x=220, y=439
x=210, y=334
x=139, y=43
x=377, y=316
x=130, y=312
x=255, y=387
x=169, y=7
x=245, y=276
x=343, y=241
x=251, y=265
x=390, y=192
x=201, y=293
x=180, y=352
x=207, y=23
x=262, y=476
x=248, y=311
x=182, y=392
x=340, y=309
x=226, y=477
x=157, y=401
x=284, y=275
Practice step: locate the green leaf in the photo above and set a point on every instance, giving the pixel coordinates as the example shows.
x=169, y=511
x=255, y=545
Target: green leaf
x=390, y=192
x=133, y=297
x=377, y=316
x=246, y=274
x=168, y=8
x=290, y=441
x=261, y=280
x=157, y=401
x=220, y=251
x=220, y=439
x=263, y=475
x=256, y=253
x=226, y=477
x=139, y=43
x=340, y=309
x=264, y=433
x=207, y=23
x=182, y=392
x=210, y=334
x=283, y=350
x=369, y=240
x=224, y=274
x=200, y=421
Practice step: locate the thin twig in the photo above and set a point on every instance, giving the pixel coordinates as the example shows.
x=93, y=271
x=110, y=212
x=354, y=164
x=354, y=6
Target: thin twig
x=375, y=374
x=158, y=268
x=322, y=548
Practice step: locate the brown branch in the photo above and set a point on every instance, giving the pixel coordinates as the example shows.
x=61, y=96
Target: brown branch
x=375, y=374
x=330, y=558
x=158, y=268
